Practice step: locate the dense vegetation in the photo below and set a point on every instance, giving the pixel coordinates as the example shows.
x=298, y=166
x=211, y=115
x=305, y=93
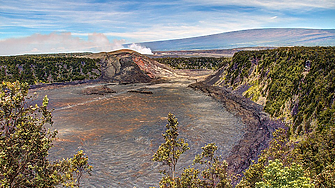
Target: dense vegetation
x=297, y=85
x=35, y=69
x=194, y=62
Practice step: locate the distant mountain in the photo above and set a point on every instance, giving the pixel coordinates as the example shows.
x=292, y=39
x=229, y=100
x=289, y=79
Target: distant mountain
x=274, y=37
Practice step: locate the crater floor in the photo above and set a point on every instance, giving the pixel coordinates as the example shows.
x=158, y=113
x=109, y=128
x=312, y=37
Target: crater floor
x=120, y=131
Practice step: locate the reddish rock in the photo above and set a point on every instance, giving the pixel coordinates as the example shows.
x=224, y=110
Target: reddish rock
x=127, y=66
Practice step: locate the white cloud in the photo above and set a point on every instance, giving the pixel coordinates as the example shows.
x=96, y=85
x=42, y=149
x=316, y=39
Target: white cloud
x=160, y=32
x=63, y=42
x=272, y=5
x=148, y=21
x=61, y=13
x=212, y=24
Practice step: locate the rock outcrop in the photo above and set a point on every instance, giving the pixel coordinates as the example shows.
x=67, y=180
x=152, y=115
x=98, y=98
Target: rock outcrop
x=140, y=91
x=127, y=66
x=98, y=90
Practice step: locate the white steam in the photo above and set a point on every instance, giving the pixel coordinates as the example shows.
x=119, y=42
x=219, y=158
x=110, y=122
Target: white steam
x=140, y=49
x=64, y=42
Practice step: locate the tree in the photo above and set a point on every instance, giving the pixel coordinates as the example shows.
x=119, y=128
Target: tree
x=276, y=175
x=75, y=168
x=327, y=177
x=25, y=142
x=190, y=178
x=169, y=152
x=215, y=173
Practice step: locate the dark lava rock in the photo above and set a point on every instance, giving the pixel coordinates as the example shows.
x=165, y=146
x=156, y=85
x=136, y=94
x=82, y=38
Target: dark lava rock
x=141, y=90
x=98, y=90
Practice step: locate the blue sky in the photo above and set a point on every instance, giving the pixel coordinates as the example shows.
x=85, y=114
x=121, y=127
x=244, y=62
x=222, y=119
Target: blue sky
x=37, y=26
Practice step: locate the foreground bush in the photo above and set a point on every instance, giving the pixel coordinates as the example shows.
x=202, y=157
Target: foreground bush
x=276, y=175
x=25, y=142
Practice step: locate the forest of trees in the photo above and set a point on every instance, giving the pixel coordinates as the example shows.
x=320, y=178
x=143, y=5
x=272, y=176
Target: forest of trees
x=194, y=62
x=35, y=69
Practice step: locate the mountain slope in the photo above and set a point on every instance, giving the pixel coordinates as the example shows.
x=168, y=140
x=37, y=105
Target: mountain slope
x=274, y=37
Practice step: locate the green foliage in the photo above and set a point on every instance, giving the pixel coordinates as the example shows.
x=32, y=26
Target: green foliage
x=253, y=174
x=278, y=149
x=80, y=165
x=75, y=167
x=35, y=69
x=276, y=175
x=326, y=178
x=317, y=151
x=194, y=62
x=215, y=172
x=190, y=178
x=169, y=152
x=297, y=85
x=297, y=82
x=25, y=142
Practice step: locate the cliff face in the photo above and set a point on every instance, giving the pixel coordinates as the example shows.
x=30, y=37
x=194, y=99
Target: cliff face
x=127, y=66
